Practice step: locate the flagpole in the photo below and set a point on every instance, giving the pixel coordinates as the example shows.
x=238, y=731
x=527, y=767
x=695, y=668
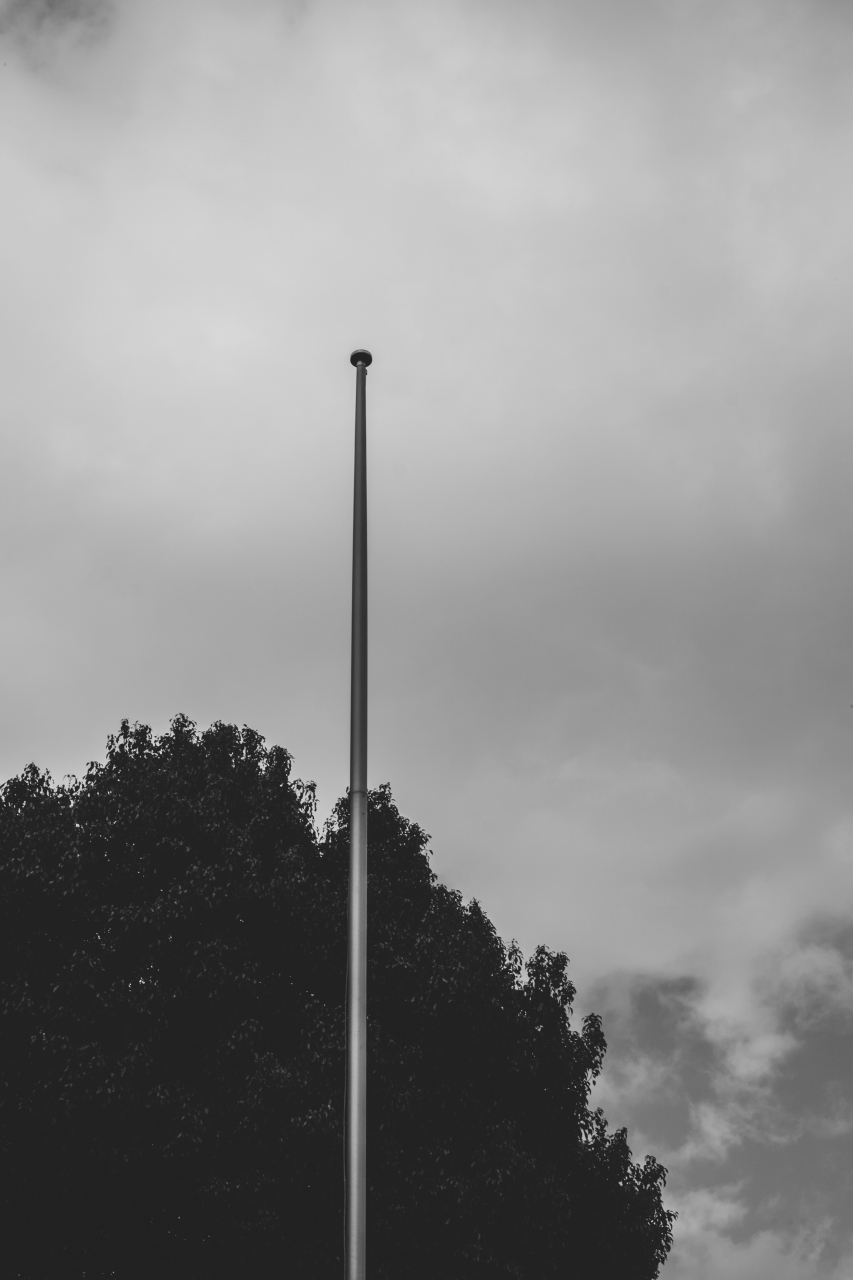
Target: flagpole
x=356, y=1071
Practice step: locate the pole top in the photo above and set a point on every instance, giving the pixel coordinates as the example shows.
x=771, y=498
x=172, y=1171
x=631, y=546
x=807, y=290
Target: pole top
x=361, y=357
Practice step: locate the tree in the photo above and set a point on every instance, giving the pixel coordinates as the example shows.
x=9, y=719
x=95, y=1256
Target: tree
x=173, y=935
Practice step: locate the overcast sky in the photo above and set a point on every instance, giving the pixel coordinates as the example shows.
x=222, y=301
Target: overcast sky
x=601, y=252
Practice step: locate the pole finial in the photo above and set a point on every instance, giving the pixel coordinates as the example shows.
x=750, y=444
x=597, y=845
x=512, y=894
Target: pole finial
x=361, y=357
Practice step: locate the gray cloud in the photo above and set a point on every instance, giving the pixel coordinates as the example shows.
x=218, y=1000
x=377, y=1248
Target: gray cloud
x=754, y=1119
x=44, y=29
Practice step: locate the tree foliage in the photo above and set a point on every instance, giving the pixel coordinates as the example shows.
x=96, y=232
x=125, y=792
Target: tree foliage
x=173, y=942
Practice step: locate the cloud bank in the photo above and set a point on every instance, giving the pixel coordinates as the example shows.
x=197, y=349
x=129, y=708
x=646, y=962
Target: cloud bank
x=601, y=255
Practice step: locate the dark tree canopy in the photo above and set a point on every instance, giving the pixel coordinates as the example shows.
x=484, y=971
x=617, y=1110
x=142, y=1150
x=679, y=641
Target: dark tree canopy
x=173, y=938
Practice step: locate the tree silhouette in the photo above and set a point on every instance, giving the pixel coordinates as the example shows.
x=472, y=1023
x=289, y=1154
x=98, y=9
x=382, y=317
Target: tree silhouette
x=173, y=937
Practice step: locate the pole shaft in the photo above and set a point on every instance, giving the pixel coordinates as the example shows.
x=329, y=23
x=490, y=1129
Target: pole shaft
x=356, y=1094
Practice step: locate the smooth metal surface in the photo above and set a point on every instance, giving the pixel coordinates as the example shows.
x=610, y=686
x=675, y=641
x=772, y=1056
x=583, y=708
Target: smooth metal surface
x=356, y=1080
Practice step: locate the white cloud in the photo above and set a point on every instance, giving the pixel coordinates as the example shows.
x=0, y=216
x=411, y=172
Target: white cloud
x=707, y=1255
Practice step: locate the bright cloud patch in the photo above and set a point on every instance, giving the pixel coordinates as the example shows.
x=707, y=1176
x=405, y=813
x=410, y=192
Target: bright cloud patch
x=753, y=1118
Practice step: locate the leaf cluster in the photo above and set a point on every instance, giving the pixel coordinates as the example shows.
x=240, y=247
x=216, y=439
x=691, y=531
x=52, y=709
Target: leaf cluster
x=172, y=989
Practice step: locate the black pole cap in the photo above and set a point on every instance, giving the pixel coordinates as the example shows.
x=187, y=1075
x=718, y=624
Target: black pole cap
x=361, y=357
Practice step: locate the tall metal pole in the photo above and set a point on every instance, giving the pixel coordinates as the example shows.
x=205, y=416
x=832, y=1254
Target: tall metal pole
x=356, y=1095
